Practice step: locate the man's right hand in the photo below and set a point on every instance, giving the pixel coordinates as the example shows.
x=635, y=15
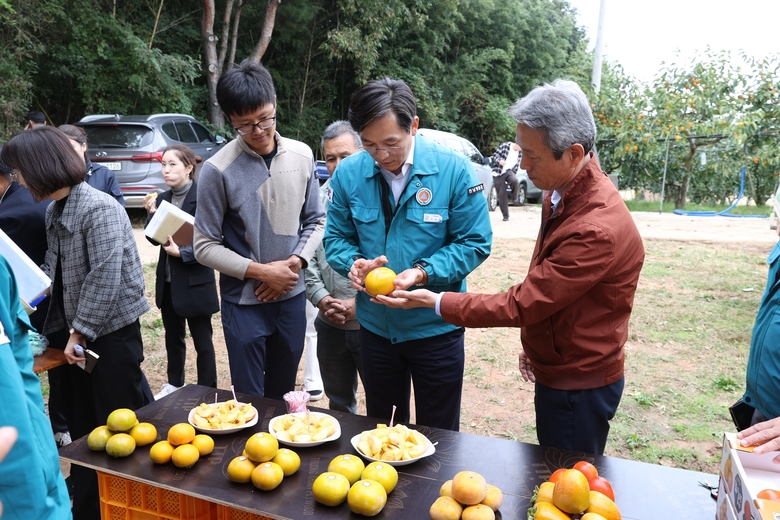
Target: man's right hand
x=526, y=370
x=361, y=267
x=765, y=436
x=277, y=279
x=337, y=311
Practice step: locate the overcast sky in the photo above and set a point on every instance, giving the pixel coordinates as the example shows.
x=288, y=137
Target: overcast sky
x=641, y=34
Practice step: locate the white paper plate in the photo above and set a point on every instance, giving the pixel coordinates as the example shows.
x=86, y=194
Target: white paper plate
x=214, y=431
x=428, y=452
x=336, y=434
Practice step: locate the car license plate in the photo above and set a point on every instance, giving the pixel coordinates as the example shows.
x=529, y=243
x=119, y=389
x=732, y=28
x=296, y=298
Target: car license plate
x=115, y=166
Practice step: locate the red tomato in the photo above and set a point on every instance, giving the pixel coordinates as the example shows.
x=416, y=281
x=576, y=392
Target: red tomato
x=603, y=486
x=769, y=494
x=556, y=475
x=587, y=469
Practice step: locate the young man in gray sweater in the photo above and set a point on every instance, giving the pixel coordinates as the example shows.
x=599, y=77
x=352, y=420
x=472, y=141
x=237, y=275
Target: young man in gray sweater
x=258, y=223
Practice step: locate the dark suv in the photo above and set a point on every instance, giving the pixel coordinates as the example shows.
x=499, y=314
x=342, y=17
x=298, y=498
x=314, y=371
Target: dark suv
x=131, y=146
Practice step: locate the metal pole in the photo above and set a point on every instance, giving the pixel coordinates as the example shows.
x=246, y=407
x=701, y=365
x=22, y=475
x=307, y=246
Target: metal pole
x=663, y=183
x=598, y=51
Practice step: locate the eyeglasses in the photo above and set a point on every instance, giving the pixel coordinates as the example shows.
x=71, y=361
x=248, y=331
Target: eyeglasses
x=265, y=124
x=389, y=150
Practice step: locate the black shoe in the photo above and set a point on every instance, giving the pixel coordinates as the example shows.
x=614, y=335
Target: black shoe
x=505, y=219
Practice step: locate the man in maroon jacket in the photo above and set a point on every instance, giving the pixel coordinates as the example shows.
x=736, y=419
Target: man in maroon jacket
x=576, y=301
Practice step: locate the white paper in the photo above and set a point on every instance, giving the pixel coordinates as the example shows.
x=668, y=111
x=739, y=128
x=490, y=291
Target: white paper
x=31, y=280
x=166, y=221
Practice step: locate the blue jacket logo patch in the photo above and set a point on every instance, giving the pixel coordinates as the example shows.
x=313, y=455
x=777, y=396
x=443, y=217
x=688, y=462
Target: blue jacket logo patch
x=476, y=189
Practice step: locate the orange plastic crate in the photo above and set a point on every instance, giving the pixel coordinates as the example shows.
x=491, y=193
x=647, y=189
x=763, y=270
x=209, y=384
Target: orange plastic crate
x=228, y=513
x=123, y=499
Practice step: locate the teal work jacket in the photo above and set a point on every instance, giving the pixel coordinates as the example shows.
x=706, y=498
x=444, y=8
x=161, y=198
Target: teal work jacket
x=440, y=222
x=763, y=369
x=31, y=483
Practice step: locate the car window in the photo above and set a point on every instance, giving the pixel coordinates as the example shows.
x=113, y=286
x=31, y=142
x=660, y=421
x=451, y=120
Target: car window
x=186, y=134
x=472, y=152
x=170, y=131
x=204, y=136
x=118, y=136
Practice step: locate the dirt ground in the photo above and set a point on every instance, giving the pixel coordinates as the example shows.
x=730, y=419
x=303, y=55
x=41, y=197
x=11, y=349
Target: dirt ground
x=496, y=402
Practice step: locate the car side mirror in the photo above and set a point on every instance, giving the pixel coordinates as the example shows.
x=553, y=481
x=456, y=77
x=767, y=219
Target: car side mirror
x=486, y=161
x=220, y=140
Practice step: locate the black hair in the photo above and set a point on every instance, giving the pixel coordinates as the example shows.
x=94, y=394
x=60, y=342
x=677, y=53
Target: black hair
x=46, y=160
x=5, y=170
x=378, y=97
x=185, y=155
x=75, y=133
x=245, y=88
x=36, y=117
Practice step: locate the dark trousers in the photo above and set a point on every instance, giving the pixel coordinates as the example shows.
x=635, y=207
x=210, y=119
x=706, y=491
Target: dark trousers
x=338, y=353
x=264, y=344
x=176, y=345
x=500, y=184
x=59, y=385
x=435, y=365
x=116, y=382
x=576, y=420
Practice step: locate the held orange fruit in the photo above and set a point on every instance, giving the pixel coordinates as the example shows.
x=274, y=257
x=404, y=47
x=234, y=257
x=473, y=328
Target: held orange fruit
x=185, y=456
x=380, y=281
x=478, y=512
x=383, y=473
x=366, y=497
x=267, y=476
x=469, y=487
x=571, y=493
x=181, y=433
x=261, y=447
x=330, y=488
x=446, y=508
x=348, y=465
x=240, y=470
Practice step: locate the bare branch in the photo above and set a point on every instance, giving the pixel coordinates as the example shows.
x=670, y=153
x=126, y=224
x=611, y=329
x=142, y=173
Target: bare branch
x=268, y=29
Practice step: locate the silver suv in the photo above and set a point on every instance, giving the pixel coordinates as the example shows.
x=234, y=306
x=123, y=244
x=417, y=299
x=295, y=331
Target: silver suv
x=131, y=146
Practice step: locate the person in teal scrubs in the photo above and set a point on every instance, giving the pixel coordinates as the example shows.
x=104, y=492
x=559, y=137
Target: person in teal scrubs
x=31, y=483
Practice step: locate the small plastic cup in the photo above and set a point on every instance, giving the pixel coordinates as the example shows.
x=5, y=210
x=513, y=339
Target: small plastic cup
x=296, y=401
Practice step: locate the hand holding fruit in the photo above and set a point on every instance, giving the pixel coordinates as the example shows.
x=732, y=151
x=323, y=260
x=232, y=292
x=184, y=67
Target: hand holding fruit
x=360, y=269
x=409, y=299
x=150, y=202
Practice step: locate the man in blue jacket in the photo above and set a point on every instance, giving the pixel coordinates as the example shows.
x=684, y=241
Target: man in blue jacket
x=417, y=207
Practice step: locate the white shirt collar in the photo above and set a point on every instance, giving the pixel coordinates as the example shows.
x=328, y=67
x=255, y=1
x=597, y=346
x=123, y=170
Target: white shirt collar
x=398, y=182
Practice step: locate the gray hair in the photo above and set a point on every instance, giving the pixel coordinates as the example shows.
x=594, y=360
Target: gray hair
x=337, y=129
x=562, y=111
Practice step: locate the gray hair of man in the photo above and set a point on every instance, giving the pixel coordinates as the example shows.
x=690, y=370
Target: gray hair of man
x=562, y=111
x=337, y=129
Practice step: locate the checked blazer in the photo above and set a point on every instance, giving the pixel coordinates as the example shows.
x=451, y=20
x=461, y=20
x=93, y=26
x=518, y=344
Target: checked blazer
x=102, y=277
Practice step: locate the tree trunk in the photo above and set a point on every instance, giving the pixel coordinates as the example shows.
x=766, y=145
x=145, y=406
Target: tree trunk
x=214, y=114
x=682, y=193
x=268, y=29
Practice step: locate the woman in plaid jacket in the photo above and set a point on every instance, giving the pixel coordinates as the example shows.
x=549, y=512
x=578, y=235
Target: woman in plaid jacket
x=97, y=289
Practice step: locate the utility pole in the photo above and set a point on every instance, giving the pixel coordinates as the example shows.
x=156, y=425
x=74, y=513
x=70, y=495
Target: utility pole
x=598, y=51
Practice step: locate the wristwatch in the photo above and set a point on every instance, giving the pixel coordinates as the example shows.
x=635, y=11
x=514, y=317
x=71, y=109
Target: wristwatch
x=425, y=274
